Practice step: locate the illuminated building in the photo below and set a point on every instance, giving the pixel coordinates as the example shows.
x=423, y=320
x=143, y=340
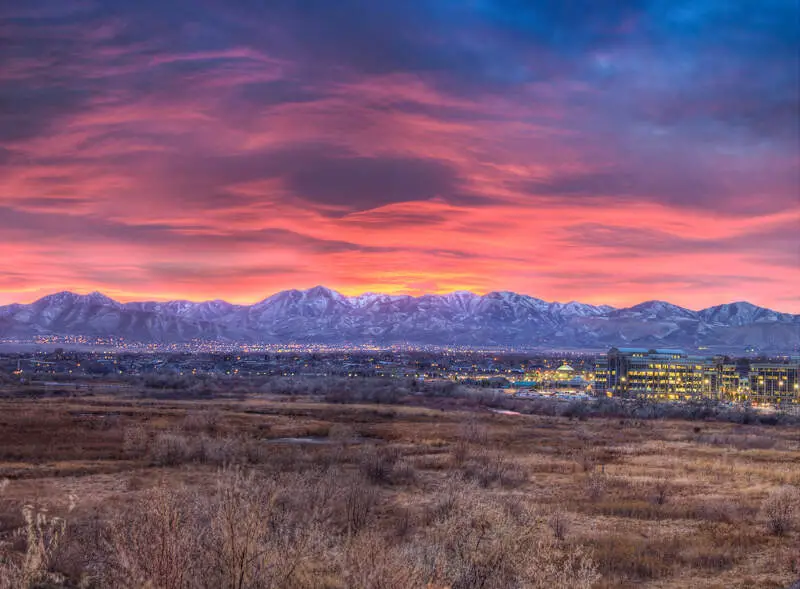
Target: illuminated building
x=774, y=383
x=658, y=374
x=564, y=372
x=667, y=374
x=600, y=385
x=732, y=379
x=564, y=379
x=729, y=380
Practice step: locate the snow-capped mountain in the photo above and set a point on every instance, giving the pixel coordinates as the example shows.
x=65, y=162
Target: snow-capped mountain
x=205, y=311
x=323, y=315
x=741, y=313
x=656, y=310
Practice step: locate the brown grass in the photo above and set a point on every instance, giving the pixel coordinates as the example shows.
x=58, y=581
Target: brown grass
x=210, y=494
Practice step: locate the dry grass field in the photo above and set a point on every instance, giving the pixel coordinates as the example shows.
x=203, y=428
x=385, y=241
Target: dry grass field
x=279, y=492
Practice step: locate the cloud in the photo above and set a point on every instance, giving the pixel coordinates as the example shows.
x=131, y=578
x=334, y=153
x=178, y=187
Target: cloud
x=773, y=244
x=692, y=176
x=359, y=183
x=56, y=228
x=377, y=218
x=216, y=273
x=401, y=146
x=331, y=179
x=29, y=112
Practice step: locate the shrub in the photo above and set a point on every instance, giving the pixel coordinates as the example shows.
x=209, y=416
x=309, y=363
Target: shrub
x=249, y=533
x=201, y=421
x=449, y=497
x=242, y=510
x=489, y=467
x=42, y=534
x=155, y=543
x=460, y=453
x=483, y=545
x=404, y=473
x=596, y=485
x=474, y=432
x=556, y=565
x=587, y=460
x=780, y=509
x=377, y=464
x=135, y=440
x=359, y=502
x=208, y=450
x=341, y=433
x=170, y=449
x=559, y=524
x=660, y=492
x=370, y=562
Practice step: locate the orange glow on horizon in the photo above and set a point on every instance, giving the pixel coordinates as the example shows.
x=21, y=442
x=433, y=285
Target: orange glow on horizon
x=385, y=183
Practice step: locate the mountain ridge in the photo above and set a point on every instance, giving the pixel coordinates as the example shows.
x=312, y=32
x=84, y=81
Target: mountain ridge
x=322, y=315
x=322, y=288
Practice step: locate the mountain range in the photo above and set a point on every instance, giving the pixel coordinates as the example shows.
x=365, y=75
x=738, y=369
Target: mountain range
x=321, y=315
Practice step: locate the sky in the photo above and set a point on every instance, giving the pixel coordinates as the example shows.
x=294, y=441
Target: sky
x=605, y=151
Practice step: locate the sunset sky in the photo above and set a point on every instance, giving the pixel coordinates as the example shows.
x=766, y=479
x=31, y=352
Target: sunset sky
x=600, y=150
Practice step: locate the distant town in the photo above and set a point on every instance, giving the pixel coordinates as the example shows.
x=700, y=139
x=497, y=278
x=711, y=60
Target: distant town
x=666, y=375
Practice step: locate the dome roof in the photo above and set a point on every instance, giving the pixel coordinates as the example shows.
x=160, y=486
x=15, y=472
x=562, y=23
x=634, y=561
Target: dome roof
x=565, y=368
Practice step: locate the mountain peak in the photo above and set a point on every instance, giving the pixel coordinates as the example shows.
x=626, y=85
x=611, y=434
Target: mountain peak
x=735, y=305
x=322, y=315
x=99, y=297
x=655, y=309
x=60, y=295
x=68, y=295
x=460, y=294
x=320, y=290
x=655, y=304
x=741, y=313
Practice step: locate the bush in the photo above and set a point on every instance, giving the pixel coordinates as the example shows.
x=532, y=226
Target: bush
x=169, y=449
x=556, y=565
x=596, y=485
x=249, y=533
x=155, y=543
x=660, y=492
x=377, y=464
x=42, y=534
x=474, y=432
x=482, y=545
x=404, y=472
x=135, y=440
x=780, y=510
x=459, y=453
x=449, y=496
x=559, y=524
x=313, y=529
x=201, y=421
x=341, y=433
x=489, y=467
x=370, y=562
x=360, y=500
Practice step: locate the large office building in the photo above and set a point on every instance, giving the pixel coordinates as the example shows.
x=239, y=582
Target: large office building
x=659, y=374
x=774, y=383
x=668, y=374
x=731, y=380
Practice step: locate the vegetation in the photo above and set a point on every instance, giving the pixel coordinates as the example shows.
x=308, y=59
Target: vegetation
x=295, y=491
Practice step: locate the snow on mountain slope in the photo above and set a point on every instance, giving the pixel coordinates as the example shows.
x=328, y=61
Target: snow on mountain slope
x=320, y=314
x=742, y=313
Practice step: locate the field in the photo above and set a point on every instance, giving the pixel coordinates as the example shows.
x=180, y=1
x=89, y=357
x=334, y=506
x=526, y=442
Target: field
x=278, y=491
